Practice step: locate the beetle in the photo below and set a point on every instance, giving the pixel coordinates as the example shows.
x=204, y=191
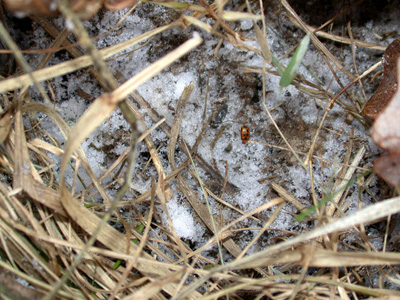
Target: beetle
x=245, y=134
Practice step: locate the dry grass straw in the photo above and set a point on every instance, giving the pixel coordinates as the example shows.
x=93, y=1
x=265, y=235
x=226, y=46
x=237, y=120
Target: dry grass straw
x=66, y=250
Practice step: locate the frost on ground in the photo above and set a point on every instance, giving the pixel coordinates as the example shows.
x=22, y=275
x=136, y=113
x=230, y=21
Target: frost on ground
x=225, y=86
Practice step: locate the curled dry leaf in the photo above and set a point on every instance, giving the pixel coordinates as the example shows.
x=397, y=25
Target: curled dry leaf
x=381, y=98
x=388, y=167
x=386, y=134
x=85, y=9
x=386, y=129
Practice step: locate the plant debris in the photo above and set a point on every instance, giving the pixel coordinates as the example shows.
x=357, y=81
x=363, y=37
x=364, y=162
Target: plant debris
x=125, y=173
x=388, y=86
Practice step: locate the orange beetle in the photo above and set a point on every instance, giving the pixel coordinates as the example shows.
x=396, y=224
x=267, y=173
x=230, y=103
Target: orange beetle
x=245, y=134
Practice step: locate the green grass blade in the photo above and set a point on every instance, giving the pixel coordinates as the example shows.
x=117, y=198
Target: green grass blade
x=291, y=70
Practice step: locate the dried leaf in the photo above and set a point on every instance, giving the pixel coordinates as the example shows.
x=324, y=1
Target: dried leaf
x=85, y=9
x=384, y=106
x=387, y=87
x=388, y=167
x=386, y=130
x=386, y=134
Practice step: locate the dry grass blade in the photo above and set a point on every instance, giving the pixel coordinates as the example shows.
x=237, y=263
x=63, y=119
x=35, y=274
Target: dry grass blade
x=19, y=250
x=5, y=125
x=349, y=174
x=316, y=41
x=206, y=27
x=327, y=258
x=340, y=39
x=368, y=214
x=107, y=103
x=21, y=60
x=25, y=175
x=114, y=240
x=150, y=290
x=24, y=171
x=263, y=44
x=150, y=145
x=88, y=211
x=287, y=196
x=236, y=16
x=97, y=113
x=331, y=103
x=202, y=211
x=76, y=64
x=194, y=201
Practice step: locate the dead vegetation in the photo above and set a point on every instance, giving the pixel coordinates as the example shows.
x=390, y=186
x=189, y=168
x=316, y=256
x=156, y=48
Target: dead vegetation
x=57, y=243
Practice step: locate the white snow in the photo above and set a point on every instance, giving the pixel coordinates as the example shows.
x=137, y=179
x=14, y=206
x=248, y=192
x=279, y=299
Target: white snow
x=184, y=224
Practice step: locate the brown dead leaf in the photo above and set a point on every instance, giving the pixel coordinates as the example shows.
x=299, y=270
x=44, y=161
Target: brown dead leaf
x=380, y=99
x=386, y=134
x=386, y=130
x=85, y=9
x=388, y=167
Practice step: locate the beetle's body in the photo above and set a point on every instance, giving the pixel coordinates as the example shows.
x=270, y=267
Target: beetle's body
x=245, y=134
